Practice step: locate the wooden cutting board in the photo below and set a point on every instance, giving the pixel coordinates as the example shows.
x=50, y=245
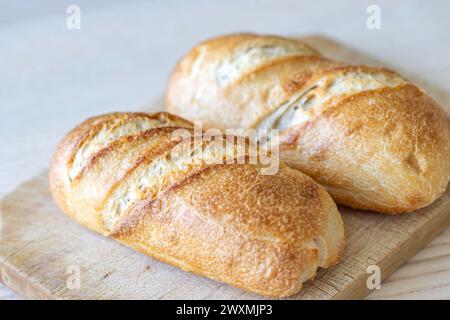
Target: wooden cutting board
x=41, y=250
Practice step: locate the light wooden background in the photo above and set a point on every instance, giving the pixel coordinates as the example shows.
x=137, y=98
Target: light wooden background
x=52, y=77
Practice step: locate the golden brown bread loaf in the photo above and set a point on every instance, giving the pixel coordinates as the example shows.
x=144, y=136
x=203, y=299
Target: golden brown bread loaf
x=124, y=176
x=373, y=139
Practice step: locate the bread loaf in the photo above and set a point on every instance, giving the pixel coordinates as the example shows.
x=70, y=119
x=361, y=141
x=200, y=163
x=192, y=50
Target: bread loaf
x=123, y=175
x=373, y=139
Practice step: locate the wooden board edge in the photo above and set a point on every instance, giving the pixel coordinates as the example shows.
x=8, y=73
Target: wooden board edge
x=20, y=285
x=404, y=252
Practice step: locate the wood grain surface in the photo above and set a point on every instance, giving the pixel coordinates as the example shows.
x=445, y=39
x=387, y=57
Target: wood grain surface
x=40, y=247
x=53, y=78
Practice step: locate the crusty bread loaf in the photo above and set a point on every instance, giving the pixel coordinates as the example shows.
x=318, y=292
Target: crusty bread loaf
x=373, y=139
x=124, y=176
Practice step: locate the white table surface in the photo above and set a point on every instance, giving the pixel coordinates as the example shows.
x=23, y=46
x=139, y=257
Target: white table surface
x=53, y=77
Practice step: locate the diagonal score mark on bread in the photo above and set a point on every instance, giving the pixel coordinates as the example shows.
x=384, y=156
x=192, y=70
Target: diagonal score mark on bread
x=161, y=168
x=226, y=221
x=245, y=59
x=326, y=88
x=105, y=132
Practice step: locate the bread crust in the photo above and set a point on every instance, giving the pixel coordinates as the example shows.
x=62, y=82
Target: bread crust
x=265, y=234
x=373, y=139
x=400, y=152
